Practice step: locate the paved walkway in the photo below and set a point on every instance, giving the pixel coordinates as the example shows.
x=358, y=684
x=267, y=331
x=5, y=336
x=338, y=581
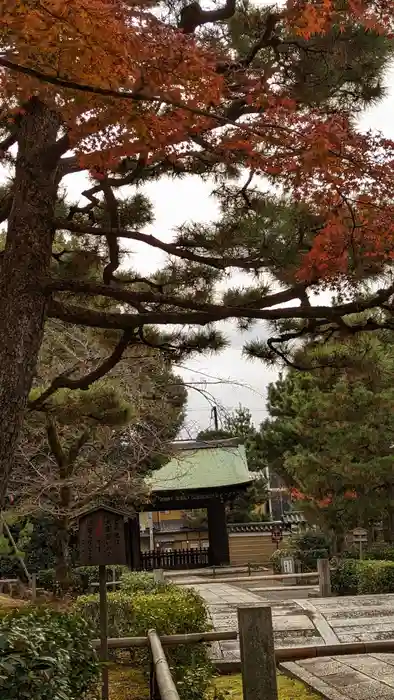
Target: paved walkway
x=366, y=677
x=317, y=622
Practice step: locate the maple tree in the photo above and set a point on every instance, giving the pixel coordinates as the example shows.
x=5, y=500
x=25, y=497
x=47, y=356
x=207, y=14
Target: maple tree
x=130, y=91
x=330, y=432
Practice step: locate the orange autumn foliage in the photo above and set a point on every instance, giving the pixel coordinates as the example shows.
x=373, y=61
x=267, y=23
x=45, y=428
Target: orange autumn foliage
x=111, y=45
x=171, y=82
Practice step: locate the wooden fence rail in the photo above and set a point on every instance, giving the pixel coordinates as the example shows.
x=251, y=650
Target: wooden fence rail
x=168, y=639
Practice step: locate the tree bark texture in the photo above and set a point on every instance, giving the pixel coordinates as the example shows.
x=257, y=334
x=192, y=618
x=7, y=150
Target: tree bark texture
x=24, y=263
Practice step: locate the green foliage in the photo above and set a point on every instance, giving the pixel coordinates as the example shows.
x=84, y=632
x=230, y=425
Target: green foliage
x=244, y=507
x=330, y=431
x=309, y=547
x=81, y=579
x=306, y=548
x=380, y=551
x=45, y=655
x=142, y=582
x=170, y=611
x=363, y=577
x=9, y=558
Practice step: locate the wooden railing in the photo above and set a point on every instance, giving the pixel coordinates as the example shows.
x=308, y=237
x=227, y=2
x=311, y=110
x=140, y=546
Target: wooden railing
x=162, y=686
x=192, y=558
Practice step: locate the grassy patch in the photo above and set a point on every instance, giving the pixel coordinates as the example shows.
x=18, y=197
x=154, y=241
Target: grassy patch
x=129, y=684
x=288, y=688
x=8, y=603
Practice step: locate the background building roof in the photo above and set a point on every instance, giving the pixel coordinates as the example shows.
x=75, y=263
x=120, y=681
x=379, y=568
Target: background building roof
x=203, y=465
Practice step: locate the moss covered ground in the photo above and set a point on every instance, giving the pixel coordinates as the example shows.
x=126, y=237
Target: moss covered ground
x=128, y=684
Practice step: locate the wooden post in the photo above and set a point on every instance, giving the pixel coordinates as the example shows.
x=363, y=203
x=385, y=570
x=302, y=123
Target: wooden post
x=103, y=632
x=323, y=568
x=34, y=587
x=256, y=640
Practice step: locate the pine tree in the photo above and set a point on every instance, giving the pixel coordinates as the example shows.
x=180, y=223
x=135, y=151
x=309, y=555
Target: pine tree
x=92, y=440
x=130, y=95
x=331, y=431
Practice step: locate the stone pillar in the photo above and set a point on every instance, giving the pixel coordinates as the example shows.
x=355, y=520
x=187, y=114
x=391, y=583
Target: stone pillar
x=135, y=543
x=218, y=535
x=256, y=641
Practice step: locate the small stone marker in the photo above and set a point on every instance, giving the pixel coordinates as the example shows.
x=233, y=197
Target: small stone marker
x=287, y=565
x=158, y=575
x=256, y=639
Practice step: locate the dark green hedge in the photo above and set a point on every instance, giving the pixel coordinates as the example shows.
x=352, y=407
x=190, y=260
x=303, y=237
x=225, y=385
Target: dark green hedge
x=380, y=551
x=46, y=655
x=354, y=577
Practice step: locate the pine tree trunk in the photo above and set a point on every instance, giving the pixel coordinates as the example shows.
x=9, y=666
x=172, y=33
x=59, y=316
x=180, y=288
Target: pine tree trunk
x=63, y=559
x=25, y=261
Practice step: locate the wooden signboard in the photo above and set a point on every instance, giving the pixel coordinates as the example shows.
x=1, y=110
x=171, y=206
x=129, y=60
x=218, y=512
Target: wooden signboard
x=360, y=535
x=276, y=535
x=102, y=538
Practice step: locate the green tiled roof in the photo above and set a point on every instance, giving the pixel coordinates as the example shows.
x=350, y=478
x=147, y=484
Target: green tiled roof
x=203, y=466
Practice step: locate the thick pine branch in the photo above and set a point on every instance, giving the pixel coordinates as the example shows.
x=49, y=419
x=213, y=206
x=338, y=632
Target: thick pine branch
x=193, y=16
x=135, y=297
x=220, y=263
x=210, y=313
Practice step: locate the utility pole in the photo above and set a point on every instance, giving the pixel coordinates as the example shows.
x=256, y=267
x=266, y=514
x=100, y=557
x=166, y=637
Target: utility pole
x=214, y=415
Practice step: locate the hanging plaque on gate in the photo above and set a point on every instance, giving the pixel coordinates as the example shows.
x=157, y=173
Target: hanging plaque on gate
x=101, y=537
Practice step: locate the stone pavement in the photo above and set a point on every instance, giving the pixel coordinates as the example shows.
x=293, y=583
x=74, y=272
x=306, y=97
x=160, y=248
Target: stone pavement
x=347, y=677
x=317, y=622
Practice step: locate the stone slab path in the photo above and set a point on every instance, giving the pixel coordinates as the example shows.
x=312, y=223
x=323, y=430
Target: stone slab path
x=317, y=622
x=366, y=677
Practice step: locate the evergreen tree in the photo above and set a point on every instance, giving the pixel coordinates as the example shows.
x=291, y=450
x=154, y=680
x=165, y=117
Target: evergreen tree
x=92, y=440
x=331, y=431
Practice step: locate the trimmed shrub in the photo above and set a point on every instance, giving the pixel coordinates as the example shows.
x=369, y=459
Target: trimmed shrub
x=363, y=577
x=344, y=578
x=172, y=611
x=142, y=582
x=45, y=655
x=380, y=551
